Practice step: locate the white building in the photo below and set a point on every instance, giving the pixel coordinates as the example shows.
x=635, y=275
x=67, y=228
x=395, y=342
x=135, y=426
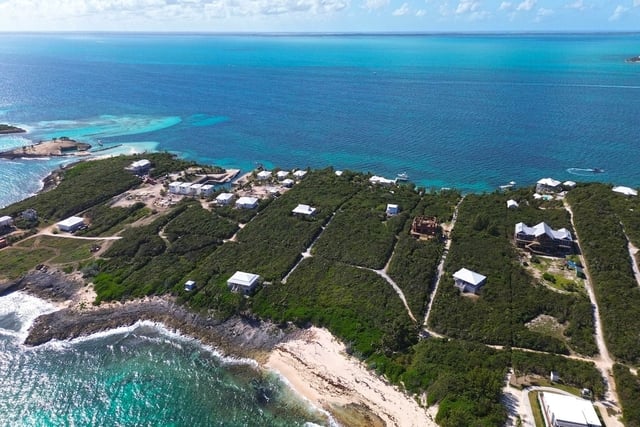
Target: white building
x=299, y=174
x=512, y=204
x=140, y=167
x=625, y=190
x=468, y=281
x=6, y=221
x=264, y=175
x=196, y=189
x=243, y=282
x=185, y=188
x=393, y=209
x=207, y=190
x=174, y=187
x=247, y=202
x=381, y=180
x=568, y=185
x=304, y=210
x=288, y=183
x=548, y=185
x=189, y=285
x=561, y=410
x=282, y=175
x=70, y=224
x=224, y=199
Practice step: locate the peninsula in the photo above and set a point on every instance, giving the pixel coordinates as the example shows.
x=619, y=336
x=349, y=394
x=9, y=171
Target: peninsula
x=633, y=59
x=8, y=129
x=350, y=287
x=62, y=146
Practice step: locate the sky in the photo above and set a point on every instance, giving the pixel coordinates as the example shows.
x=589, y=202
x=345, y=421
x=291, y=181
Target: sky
x=320, y=15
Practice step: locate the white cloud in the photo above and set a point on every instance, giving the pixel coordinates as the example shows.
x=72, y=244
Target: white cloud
x=505, y=5
x=542, y=13
x=402, y=10
x=466, y=6
x=375, y=4
x=577, y=4
x=618, y=12
x=526, y=5
x=421, y=12
x=444, y=9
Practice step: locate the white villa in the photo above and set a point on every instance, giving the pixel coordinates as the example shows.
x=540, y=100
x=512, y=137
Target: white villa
x=392, y=209
x=304, y=210
x=189, y=285
x=224, y=199
x=282, y=175
x=185, y=188
x=548, y=185
x=300, y=173
x=243, y=282
x=561, y=410
x=140, y=167
x=264, y=175
x=543, y=239
x=512, y=204
x=174, y=187
x=247, y=202
x=375, y=179
x=70, y=224
x=288, y=182
x=468, y=281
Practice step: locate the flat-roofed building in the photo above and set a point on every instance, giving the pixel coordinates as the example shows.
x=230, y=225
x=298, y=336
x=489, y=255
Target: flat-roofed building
x=247, y=202
x=244, y=283
x=185, y=188
x=300, y=173
x=304, y=210
x=561, y=410
x=206, y=190
x=140, y=167
x=264, y=175
x=282, y=175
x=6, y=221
x=224, y=199
x=174, y=187
x=392, y=209
x=70, y=224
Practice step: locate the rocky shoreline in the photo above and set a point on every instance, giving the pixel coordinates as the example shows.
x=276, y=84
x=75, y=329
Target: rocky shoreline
x=237, y=336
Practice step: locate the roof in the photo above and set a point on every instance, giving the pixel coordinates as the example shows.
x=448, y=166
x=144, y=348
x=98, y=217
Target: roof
x=264, y=174
x=304, y=210
x=224, y=196
x=282, y=174
x=569, y=184
x=381, y=180
x=300, y=173
x=512, y=203
x=542, y=228
x=71, y=221
x=5, y=218
x=176, y=184
x=241, y=278
x=196, y=186
x=625, y=190
x=185, y=185
x=288, y=181
x=571, y=409
x=469, y=276
x=550, y=182
x=245, y=200
x=141, y=164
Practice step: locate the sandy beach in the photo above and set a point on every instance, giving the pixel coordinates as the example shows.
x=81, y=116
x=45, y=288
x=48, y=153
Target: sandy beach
x=316, y=366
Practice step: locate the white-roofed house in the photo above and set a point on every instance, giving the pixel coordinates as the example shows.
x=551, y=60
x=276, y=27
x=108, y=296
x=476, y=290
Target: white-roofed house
x=560, y=410
x=224, y=199
x=185, y=188
x=288, y=182
x=196, y=189
x=70, y=224
x=189, y=285
x=548, y=185
x=242, y=282
x=6, y=221
x=264, y=175
x=140, y=167
x=468, y=281
x=246, y=202
x=207, y=190
x=568, y=185
x=392, y=209
x=174, y=187
x=304, y=210
x=542, y=239
x=375, y=179
x=282, y=175
x=512, y=204
x=300, y=173
x=625, y=190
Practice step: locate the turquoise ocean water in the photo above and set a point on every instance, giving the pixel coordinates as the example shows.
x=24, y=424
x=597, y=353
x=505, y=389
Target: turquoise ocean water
x=471, y=112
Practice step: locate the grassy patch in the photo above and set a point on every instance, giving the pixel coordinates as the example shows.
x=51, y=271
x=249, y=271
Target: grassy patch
x=536, y=409
x=15, y=262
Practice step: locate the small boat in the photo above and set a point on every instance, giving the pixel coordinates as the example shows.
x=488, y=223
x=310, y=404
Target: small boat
x=403, y=176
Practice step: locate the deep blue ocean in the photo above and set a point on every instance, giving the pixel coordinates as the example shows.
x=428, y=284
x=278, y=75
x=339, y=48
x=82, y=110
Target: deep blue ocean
x=466, y=111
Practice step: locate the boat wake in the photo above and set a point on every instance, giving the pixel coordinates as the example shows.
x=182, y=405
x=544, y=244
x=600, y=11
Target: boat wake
x=585, y=171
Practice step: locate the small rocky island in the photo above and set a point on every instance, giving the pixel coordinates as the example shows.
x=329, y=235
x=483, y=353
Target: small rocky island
x=62, y=146
x=8, y=129
x=633, y=59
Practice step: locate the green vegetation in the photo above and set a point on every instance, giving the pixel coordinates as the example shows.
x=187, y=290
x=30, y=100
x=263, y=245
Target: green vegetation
x=5, y=128
x=482, y=241
x=599, y=219
x=628, y=388
x=107, y=220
